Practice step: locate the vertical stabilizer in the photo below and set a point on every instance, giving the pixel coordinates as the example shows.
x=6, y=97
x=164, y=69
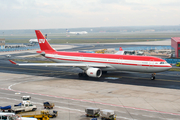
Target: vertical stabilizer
x=43, y=43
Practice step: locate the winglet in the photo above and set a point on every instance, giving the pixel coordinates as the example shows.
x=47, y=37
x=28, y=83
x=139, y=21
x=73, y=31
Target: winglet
x=120, y=49
x=13, y=62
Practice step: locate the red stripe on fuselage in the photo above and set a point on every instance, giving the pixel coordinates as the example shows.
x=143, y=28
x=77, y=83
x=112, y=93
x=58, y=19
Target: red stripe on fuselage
x=109, y=62
x=106, y=56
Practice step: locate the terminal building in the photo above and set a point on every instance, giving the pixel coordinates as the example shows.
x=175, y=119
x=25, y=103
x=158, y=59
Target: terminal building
x=2, y=43
x=175, y=44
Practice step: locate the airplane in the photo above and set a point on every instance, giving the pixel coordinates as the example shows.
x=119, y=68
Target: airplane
x=76, y=33
x=94, y=64
x=32, y=41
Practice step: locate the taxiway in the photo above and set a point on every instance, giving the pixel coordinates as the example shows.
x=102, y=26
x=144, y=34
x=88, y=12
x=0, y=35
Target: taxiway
x=132, y=95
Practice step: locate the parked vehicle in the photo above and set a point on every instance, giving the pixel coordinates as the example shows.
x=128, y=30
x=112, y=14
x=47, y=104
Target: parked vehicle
x=92, y=112
x=26, y=99
x=107, y=115
x=12, y=116
x=103, y=114
x=178, y=64
x=6, y=108
x=48, y=105
x=21, y=107
x=44, y=115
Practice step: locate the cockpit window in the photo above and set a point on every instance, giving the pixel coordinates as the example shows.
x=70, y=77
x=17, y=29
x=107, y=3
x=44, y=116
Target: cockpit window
x=163, y=62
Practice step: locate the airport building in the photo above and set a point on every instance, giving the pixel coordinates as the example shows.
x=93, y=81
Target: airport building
x=175, y=44
x=2, y=43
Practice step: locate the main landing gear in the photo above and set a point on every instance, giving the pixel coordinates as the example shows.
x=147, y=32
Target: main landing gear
x=82, y=75
x=153, y=76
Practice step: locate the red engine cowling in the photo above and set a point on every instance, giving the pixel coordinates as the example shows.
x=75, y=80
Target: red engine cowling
x=94, y=72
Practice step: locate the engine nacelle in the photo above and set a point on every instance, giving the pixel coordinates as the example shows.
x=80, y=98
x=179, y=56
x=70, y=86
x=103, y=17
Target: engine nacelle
x=94, y=72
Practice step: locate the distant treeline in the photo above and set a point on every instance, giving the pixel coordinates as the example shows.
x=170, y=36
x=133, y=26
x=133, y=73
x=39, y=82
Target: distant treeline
x=96, y=29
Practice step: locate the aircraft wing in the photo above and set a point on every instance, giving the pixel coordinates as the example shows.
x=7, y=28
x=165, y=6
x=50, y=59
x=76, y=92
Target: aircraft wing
x=60, y=64
x=120, y=52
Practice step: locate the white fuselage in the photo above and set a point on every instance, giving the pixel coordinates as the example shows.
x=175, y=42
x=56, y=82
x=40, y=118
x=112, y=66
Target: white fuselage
x=114, y=64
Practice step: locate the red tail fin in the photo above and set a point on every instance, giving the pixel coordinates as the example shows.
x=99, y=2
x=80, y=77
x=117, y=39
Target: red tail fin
x=43, y=43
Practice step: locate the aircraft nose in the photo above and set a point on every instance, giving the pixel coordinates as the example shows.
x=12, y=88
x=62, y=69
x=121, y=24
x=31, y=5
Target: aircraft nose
x=169, y=67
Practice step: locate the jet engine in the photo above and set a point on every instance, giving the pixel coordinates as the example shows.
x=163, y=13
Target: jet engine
x=94, y=72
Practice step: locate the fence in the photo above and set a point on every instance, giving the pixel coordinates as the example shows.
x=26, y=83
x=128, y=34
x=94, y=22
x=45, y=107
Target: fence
x=146, y=48
x=171, y=61
x=19, y=49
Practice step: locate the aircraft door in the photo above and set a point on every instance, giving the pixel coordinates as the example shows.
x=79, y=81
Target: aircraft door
x=151, y=63
x=120, y=61
x=81, y=58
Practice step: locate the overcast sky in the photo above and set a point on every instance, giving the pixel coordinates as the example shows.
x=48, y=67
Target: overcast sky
x=44, y=14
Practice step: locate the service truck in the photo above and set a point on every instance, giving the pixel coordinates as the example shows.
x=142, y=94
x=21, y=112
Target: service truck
x=24, y=107
x=21, y=107
x=26, y=99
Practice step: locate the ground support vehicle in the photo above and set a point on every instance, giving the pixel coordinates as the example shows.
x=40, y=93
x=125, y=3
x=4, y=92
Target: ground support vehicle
x=12, y=116
x=94, y=119
x=107, y=115
x=92, y=112
x=19, y=107
x=178, y=64
x=24, y=107
x=43, y=115
x=6, y=108
x=101, y=51
x=48, y=105
x=26, y=99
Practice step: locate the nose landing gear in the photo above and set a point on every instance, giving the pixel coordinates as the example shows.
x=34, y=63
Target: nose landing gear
x=153, y=76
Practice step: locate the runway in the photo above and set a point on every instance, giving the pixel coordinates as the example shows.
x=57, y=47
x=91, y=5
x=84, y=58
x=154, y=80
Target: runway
x=131, y=95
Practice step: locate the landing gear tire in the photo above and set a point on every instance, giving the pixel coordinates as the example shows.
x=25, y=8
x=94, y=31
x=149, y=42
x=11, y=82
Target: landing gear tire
x=153, y=76
x=80, y=74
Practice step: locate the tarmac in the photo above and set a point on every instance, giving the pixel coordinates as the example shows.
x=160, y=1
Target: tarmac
x=133, y=96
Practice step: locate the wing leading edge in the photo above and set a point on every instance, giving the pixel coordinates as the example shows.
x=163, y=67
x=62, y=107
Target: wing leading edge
x=60, y=64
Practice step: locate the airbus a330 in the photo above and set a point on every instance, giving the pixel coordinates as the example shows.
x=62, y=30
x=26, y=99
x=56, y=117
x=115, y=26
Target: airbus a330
x=94, y=64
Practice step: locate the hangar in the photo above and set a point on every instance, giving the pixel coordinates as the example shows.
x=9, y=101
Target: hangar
x=175, y=44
